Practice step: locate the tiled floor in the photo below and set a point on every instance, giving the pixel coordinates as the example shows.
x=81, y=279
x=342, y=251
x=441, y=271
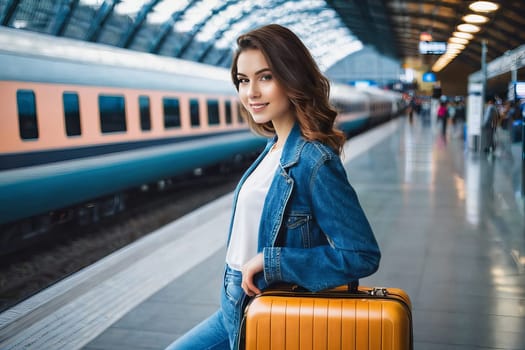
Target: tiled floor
x=450, y=225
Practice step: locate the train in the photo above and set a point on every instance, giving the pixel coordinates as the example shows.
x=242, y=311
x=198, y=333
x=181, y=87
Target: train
x=84, y=122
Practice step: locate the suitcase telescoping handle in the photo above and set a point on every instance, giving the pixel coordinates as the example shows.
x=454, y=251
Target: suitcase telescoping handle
x=353, y=286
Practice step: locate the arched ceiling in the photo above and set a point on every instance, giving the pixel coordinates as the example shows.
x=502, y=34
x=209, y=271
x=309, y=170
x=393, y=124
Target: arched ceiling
x=205, y=30
x=198, y=30
x=394, y=26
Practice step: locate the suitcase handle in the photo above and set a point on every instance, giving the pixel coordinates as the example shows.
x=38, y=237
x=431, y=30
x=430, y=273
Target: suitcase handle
x=353, y=287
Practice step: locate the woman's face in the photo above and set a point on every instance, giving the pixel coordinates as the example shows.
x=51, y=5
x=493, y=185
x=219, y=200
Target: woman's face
x=260, y=93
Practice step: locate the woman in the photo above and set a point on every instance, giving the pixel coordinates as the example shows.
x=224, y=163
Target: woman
x=488, y=125
x=442, y=115
x=296, y=218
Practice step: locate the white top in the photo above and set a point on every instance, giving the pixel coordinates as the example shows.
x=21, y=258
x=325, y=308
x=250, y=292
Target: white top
x=248, y=211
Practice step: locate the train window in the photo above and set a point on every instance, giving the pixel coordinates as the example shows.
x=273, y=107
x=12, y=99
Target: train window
x=171, y=112
x=27, y=123
x=112, y=113
x=194, y=112
x=240, y=119
x=228, y=108
x=213, y=112
x=71, y=113
x=145, y=113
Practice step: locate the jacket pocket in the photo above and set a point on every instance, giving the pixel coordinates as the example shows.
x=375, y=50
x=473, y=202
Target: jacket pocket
x=298, y=230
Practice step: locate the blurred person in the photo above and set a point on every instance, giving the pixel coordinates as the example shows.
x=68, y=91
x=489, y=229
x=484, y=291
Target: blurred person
x=442, y=115
x=505, y=129
x=488, y=125
x=425, y=111
x=460, y=118
x=451, y=110
x=411, y=108
x=296, y=218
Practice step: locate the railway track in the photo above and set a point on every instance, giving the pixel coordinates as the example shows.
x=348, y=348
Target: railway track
x=73, y=246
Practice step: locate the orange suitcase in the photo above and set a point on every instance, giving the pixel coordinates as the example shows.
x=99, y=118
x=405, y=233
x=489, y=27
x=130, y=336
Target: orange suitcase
x=364, y=319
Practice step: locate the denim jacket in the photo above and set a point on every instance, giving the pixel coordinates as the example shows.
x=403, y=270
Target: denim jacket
x=313, y=231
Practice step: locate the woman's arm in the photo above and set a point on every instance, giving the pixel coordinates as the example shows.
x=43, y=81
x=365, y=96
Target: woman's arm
x=352, y=252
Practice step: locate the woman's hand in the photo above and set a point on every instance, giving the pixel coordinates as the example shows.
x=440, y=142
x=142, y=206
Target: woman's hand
x=249, y=270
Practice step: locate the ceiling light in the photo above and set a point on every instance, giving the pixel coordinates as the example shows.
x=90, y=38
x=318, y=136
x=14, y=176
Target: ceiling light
x=458, y=40
x=463, y=35
x=454, y=51
x=475, y=19
x=456, y=46
x=439, y=65
x=469, y=28
x=483, y=6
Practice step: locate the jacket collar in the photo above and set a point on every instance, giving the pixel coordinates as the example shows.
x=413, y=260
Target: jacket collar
x=292, y=147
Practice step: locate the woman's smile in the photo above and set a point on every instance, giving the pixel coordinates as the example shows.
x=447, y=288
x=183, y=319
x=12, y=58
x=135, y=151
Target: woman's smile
x=258, y=107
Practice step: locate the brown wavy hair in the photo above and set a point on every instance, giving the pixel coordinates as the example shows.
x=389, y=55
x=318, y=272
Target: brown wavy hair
x=307, y=88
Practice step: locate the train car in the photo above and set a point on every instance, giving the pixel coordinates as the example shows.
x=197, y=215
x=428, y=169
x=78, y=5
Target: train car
x=364, y=107
x=82, y=121
x=382, y=103
x=353, y=108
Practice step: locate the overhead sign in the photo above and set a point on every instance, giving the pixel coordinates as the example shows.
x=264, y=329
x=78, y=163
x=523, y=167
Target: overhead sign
x=429, y=77
x=432, y=47
x=520, y=90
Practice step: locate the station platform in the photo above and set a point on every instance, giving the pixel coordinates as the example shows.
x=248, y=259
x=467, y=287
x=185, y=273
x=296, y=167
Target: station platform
x=449, y=222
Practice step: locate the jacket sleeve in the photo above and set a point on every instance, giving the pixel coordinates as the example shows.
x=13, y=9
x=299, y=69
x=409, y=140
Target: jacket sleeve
x=352, y=252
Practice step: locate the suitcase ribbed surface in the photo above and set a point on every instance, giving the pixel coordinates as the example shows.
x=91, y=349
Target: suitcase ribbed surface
x=305, y=322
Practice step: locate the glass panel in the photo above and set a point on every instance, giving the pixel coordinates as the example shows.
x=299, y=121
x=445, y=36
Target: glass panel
x=334, y=41
x=228, y=107
x=92, y=3
x=213, y=112
x=71, y=113
x=240, y=119
x=27, y=122
x=34, y=15
x=195, y=14
x=129, y=7
x=194, y=112
x=164, y=10
x=171, y=112
x=224, y=20
x=145, y=113
x=112, y=113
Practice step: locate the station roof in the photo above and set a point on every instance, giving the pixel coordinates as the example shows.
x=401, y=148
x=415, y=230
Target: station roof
x=205, y=30
x=198, y=30
x=394, y=27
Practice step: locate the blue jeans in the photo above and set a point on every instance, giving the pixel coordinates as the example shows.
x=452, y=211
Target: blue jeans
x=220, y=330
